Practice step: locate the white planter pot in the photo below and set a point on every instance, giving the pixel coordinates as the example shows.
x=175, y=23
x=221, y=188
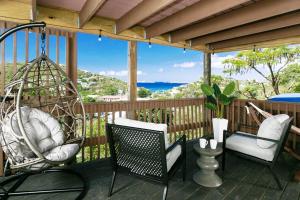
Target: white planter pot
x=219, y=125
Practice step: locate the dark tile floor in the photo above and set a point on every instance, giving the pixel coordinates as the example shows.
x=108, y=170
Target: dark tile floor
x=242, y=180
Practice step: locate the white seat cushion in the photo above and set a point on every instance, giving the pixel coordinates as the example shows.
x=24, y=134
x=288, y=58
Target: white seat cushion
x=172, y=156
x=145, y=125
x=249, y=146
x=62, y=153
x=271, y=128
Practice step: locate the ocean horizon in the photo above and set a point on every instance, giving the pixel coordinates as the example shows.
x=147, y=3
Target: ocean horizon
x=159, y=86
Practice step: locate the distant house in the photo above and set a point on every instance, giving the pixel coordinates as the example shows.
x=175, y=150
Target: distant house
x=92, y=83
x=84, y=85
x=111, y=98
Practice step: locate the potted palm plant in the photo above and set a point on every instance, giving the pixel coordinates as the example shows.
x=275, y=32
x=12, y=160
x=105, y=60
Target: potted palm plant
x=216, y=101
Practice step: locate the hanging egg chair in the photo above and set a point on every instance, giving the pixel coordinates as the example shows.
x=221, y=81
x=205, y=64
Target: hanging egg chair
x=42, y=118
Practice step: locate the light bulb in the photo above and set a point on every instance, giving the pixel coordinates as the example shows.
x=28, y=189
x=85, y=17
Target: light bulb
x=150, y=45
x=184, y=50
x=100, y=36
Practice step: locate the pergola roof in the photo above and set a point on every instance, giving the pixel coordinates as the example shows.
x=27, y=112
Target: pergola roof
x=208, y=25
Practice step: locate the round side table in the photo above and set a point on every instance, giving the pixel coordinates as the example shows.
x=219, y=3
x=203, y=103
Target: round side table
x=208, y=164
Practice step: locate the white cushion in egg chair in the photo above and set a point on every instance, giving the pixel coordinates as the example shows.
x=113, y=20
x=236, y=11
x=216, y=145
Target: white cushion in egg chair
x=44, y=133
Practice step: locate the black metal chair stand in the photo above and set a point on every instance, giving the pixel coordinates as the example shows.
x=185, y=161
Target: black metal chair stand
x=142, y=153
x=269, y=164
x=19, y=179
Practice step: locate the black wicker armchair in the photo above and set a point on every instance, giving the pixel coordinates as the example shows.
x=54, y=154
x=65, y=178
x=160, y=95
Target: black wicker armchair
x=142, y=153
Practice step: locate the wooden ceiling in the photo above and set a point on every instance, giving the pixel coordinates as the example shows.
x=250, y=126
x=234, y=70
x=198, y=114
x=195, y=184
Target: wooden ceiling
x=208, y=25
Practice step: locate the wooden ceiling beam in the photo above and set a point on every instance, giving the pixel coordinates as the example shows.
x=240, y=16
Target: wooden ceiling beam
x=266, y=44
x=67, y=19
x=281, y=21
x=191, y=14
x=251, y=13
x=88, y=10
x=141, y=12
x=288, y=32
x=33, y=10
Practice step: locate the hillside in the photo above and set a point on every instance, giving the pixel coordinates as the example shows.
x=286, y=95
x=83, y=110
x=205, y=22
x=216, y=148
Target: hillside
x=95, y=87
x=91, y=86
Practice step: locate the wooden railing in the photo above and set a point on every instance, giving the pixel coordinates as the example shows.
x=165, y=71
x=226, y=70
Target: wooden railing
x=183, y=116
x=236, y=112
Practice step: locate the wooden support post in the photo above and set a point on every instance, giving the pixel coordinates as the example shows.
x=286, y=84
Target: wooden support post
x=71, y=69
x=2, y=68
x=207, y=80
x=207, y=68
x=71, y=57
x=132, y=73
x=2, y=84
x=33, y=10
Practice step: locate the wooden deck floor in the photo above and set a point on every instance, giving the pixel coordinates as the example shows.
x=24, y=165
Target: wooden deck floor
x=242, y=180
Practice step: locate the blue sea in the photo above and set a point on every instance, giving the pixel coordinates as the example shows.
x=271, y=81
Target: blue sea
x=159, y=86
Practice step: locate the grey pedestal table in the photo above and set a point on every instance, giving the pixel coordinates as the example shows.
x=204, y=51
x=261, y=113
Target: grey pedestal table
x=207, y=164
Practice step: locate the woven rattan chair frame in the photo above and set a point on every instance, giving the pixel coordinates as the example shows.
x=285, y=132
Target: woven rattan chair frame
x=42, y=84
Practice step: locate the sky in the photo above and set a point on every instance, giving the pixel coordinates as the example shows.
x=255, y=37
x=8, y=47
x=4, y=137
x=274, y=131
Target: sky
x=158, y=63
x=109, y=57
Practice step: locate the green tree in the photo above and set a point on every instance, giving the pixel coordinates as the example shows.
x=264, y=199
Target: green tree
x=110, y=90
x=88, y=99
x=251, y=90
x=270, y=60
x=143, y=92
x=290, y=78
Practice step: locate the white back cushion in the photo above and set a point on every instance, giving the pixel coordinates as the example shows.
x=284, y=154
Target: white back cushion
x=145, y=125
x=47, y=131
x=282, y=118
x=271, y=128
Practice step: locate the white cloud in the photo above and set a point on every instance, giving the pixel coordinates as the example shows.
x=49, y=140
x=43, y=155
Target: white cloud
x=139, y=72
x=185, y=65
x=161, y=70
x=217, y=61
x=120, y=73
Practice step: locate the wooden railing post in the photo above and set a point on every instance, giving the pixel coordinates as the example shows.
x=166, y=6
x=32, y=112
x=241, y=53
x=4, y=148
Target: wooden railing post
x=132, y=72
x=71, y=57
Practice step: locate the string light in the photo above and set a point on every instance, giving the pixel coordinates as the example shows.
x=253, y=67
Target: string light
x=253, y=61
x=79, y=29
x=149, y=44
x=100, y=36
